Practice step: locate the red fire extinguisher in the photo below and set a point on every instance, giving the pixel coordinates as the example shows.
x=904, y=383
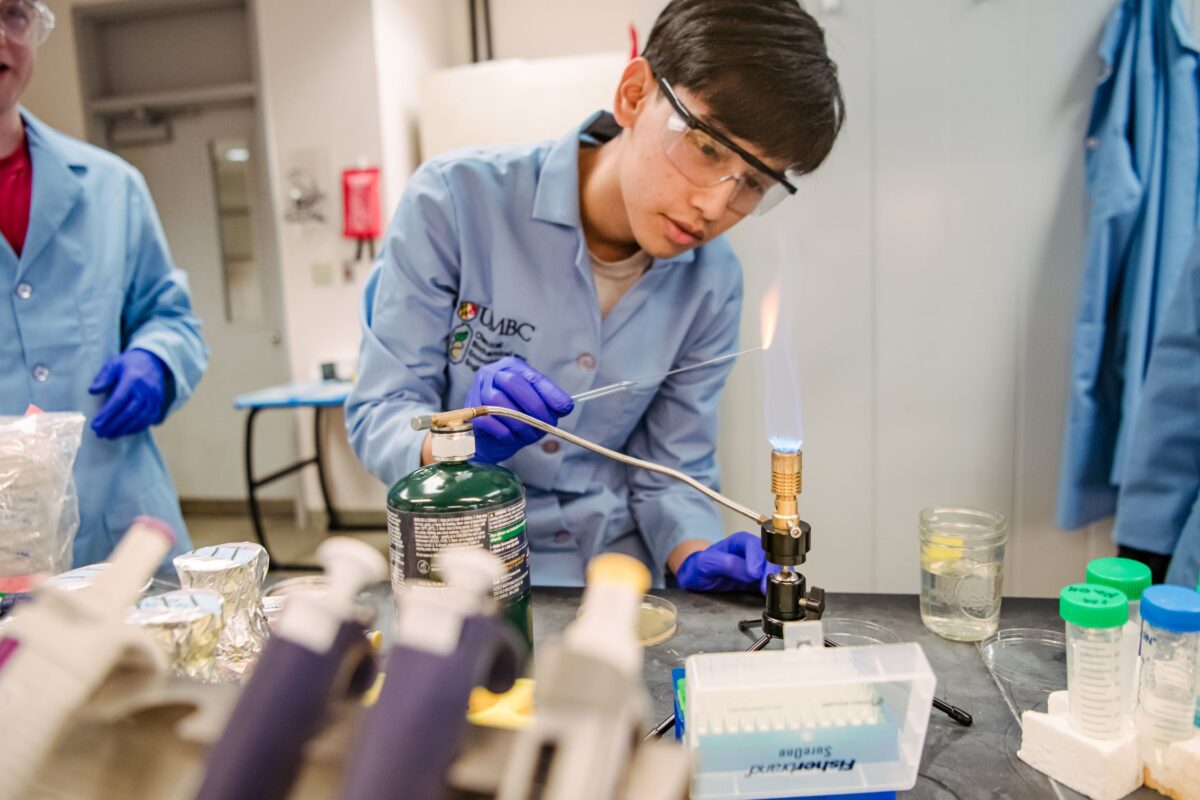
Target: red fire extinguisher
x=360, y=208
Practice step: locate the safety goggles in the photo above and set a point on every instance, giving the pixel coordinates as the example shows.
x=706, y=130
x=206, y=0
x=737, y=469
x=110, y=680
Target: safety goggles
x=26, y=23
x=707, y=157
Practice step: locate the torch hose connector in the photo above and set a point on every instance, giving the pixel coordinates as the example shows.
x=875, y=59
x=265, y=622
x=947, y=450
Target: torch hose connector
x=448, y=419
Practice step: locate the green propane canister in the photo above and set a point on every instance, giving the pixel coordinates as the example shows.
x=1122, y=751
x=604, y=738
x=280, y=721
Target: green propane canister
x=456, y=502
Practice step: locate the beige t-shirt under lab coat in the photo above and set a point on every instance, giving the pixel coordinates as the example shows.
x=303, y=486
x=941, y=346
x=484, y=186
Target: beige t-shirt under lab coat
x=614, y=278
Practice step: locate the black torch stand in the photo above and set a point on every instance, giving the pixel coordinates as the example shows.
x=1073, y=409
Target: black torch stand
x=788, y=597
x=790, y=600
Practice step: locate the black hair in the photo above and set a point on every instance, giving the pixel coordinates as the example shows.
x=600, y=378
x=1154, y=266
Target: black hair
x=762, y=68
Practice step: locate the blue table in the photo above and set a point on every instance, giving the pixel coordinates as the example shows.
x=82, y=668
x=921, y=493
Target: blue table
x=318, y=396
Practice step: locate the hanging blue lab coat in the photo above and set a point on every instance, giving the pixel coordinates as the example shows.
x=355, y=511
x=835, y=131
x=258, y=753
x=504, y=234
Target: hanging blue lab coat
x=486, y=257
x=93, y=280
x=1159, y=505
x=1143, y=169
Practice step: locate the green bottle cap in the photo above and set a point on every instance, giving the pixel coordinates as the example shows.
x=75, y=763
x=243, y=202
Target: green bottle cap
x=1129, y=576
x=1092, y=606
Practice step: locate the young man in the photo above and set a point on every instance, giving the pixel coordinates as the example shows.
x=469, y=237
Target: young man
x=97, y=319
x=521, y=276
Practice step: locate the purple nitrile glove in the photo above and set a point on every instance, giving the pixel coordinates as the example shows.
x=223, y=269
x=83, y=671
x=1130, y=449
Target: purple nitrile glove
x=737, y=563
x=137, y=380
x=512, y=383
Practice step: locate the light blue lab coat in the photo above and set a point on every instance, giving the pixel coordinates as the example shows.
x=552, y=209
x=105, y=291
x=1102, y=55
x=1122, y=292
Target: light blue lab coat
x=1159, y=506
x=1143, y=170
x=94, y=279
x=486, y=257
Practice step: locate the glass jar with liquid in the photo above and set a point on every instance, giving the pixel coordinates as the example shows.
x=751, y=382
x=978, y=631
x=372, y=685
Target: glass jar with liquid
x=962, y=571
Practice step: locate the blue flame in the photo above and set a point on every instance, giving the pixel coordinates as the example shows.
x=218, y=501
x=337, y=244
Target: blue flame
x=786, y=444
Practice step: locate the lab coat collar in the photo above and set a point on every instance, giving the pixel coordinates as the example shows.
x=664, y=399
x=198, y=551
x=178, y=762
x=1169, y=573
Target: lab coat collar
x=556, y=199
x=56, y=188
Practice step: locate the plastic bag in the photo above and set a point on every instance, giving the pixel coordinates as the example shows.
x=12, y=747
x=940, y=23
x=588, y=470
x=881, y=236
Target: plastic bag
x=39, y=511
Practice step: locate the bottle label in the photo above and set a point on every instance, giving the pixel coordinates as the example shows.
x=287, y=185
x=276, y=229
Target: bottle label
x=414, y=539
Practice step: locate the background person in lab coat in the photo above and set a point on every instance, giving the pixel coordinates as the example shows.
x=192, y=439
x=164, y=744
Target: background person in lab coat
x=97, y=318
x=1158, y=513
x=519, y=276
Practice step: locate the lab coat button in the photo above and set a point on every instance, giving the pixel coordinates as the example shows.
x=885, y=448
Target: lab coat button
x=1091, y=143
x=41, y=373
x=550, y=447
x=586, y=361
x=24, y=291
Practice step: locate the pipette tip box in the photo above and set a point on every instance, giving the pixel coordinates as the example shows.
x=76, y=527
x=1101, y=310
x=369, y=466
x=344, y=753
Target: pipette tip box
x=807, y=722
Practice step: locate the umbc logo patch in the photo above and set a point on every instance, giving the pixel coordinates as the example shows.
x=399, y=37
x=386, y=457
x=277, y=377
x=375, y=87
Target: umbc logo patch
x=483, y=337
x=460, y=337
x=482, y=316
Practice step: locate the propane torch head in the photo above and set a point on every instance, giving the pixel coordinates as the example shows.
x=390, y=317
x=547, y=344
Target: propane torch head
x=786, y=471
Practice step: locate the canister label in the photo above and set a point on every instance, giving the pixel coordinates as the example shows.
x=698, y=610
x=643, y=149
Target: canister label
x=414, y=539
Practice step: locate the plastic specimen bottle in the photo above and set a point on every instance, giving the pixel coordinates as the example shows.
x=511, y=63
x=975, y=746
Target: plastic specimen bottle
x=1131, y=578
x=1094, y=616
x=1170, y=669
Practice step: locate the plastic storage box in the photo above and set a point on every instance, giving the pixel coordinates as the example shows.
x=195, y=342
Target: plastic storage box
x=790, y=723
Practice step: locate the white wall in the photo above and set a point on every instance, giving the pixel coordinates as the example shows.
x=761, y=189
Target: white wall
x=321, y=108
x=548, y=28
x=471, y=105
x=412, y=38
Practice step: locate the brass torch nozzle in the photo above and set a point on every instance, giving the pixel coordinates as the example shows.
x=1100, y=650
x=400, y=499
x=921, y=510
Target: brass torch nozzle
x=786, y=470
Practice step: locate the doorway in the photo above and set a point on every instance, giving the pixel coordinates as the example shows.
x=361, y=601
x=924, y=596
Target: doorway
x=172, y=90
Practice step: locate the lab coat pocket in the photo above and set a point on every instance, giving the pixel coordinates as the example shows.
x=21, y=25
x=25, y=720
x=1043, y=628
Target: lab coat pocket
x=54, y=328
x=100, y=313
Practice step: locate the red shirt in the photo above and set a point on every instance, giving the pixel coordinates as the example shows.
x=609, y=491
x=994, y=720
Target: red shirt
x=16, y=193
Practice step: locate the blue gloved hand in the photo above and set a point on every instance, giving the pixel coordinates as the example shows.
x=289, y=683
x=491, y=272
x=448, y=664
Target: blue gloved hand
x=512, y=383
x=137, y=380
x=737, y=563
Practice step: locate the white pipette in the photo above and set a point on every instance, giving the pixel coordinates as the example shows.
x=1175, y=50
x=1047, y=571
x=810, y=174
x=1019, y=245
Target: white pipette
x=621, y=386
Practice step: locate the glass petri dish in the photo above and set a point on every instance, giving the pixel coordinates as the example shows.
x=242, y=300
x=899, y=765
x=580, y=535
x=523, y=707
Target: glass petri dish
x=298, y=585
x=657, y=620
x=851, y=632
x=276, y=595
x=1032, y=658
